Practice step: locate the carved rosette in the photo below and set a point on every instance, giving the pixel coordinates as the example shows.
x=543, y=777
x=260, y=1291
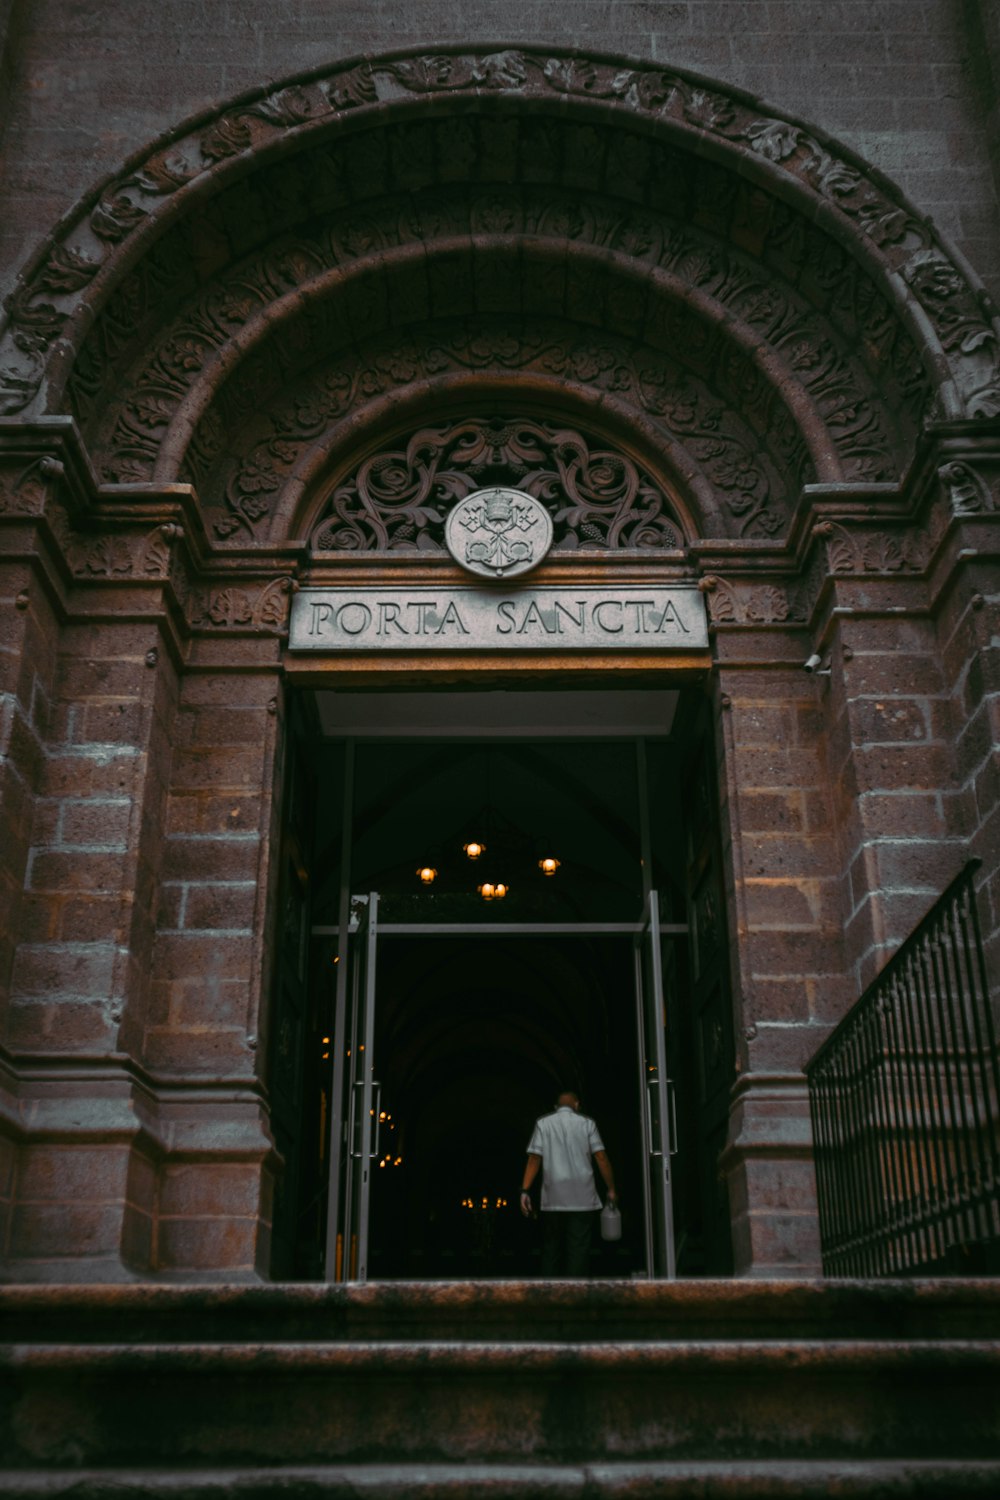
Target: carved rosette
x=596, y=497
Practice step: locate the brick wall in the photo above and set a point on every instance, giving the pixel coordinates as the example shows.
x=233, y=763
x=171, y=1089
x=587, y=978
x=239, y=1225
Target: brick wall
x=82, y=927
x=912, y=707
x=900, y=81
x=28, y=639
x=900, y=836
x=968, y=639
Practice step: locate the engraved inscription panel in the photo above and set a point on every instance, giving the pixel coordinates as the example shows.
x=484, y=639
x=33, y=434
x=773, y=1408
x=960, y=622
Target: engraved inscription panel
x=472, y=619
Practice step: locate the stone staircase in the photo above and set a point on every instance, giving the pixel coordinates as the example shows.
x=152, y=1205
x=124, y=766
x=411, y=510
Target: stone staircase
x=583, y=1390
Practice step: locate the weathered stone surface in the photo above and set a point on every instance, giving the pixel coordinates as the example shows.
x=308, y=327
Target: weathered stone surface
x=775, y=1381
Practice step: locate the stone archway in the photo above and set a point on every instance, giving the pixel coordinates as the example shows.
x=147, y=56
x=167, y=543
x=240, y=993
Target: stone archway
x=747, y=300
x=705, y=295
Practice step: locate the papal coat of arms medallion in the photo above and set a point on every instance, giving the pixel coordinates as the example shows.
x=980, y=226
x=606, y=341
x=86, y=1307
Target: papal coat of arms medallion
x=498, y=533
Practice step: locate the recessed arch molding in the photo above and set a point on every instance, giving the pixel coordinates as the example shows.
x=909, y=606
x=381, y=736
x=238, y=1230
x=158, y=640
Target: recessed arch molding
x=622, y=236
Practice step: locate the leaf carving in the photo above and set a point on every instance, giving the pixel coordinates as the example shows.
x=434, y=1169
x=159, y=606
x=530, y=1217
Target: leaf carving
x=840, y=552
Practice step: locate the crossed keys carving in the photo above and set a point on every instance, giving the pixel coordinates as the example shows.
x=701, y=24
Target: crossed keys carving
x=501, y=518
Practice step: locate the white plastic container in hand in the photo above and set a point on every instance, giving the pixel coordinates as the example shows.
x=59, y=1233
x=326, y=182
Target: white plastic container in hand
x=611, y=1222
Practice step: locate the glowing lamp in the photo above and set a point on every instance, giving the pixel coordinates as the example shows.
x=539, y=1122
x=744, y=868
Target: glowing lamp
x=474, y=850
x=548, y=865
x=427, y=874
x=492, y=890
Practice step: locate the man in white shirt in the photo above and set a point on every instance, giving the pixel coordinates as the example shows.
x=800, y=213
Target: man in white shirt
x=564, y=1145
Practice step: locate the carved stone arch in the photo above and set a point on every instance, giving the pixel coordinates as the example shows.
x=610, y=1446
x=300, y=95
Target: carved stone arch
x=831, y=334
x=703, y=334
x=684, y=213
x=745, y=448
x=663, y=309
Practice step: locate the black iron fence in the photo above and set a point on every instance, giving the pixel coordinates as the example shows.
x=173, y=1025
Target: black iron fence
x=905, y=1104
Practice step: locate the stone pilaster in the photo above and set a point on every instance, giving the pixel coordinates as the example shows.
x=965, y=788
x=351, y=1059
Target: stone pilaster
x=140, y=716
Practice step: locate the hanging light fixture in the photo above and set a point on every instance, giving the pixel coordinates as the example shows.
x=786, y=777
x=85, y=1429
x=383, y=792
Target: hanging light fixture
x=549, y=865
x=474, y=849
x=427, y=874
x=492, y=890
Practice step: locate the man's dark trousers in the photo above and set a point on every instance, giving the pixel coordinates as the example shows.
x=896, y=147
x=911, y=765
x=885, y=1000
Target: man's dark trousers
x=566, y=1242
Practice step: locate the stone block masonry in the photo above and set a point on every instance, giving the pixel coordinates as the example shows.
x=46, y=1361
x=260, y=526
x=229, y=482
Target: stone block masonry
x=271, y=333
x=213, y=894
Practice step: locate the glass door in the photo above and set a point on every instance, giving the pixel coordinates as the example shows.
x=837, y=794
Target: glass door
x=655, y=1097
x=356, y=1113
x=357, y=1108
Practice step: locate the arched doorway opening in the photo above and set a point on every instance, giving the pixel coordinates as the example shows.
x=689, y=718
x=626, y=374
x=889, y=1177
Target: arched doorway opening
x=476, y=1012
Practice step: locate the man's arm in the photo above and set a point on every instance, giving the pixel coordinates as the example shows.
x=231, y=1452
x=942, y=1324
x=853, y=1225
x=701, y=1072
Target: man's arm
x=604, y=1167
x=531, y=1167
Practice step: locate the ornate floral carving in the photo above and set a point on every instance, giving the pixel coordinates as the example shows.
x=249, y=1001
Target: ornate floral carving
x=733, y=457
x=24, y=488
x=905, y=243
x=242, y=606
x=738, y=603
x=864, y=550
x=843, y=391
x=597, y=497
x=120, y=554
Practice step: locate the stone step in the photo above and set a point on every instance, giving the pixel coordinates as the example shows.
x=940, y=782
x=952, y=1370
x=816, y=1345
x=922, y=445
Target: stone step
x=710, y=1480
x=566, y=1381
x=500, y=1403
x=502, y=1311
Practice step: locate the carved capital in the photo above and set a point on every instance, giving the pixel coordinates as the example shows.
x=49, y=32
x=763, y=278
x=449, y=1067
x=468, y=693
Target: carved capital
x=241, y=606
x=966, y=490
x=25, y=485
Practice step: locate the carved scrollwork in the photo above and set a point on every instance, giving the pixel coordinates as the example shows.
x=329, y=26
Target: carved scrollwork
x=398, y=501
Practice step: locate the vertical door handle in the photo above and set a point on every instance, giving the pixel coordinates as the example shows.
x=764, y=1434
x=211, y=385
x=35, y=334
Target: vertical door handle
x=651, y=1083
x=377, y=1112
x=357, y=1122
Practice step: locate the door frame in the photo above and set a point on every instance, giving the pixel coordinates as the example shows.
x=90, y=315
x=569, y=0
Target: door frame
x=357, y=983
